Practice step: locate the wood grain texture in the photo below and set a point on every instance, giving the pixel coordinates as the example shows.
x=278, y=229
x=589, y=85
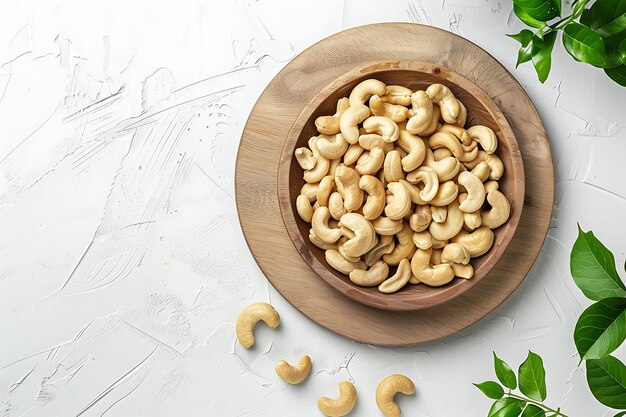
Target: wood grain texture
x=260, y=153
x=416, y=75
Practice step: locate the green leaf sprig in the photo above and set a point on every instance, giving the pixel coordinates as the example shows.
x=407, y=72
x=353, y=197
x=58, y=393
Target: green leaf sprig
x=532, y=384
x=594, y=35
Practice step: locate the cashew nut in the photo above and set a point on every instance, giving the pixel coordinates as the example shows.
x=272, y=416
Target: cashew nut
x=331, y=147
x=462, y=115
x=420, y=220
x=460, y=133
x=341, y=264
x=397, y=94
x=441, y=153
x=319, y=223
x=392, y=167
x=414, y=193
x=446, y=169
x=386, y=391
x=455, y=252
x=500, y=210
x=404, y=248
x=341, y=406
x=310, y=191
x=384, y=226
x=372, y=140
x=334, y=163
x=321, y=165
x=329, y=125
x=434, y=122
x=422, y=106
x=451, y=227
x=383, y=126
x=495, y=165
x=482, y=171
x=352, y=154
x=470, y=152
x=324, y=190
x=448, y=191
x=442, y=95
x=394, y=112
x=472, y=220
x=347, y=179
x=370, y=162
x=375, y=275
x=350, y=119
x=416, y=149
x=384, y=245
x=475, y=192
x=365, y=89
x=463, y=271
x=304, y=209
x=485, y=136
x=335, y=206
x=375, y=203
x=436, y=276
x=439, y=213
x=428, y=177
x=364, y=235
x=477, y=242
x=294, y=374
x=398, y=280
x=319, y=242
x=400, y=205
x=447, y=140
x=491, y=185
x=305, y=158
x=249, y=317
x=342, y=252
x=438, y=244
x=423, y=240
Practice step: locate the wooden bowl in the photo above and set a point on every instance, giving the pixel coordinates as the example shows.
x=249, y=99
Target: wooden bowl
x=416, y=75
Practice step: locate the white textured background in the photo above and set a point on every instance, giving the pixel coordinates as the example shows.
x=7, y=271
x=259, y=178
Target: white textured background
x=123, y=267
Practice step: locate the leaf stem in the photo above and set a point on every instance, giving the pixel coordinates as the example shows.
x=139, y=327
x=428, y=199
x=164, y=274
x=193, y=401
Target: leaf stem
x=556, y=412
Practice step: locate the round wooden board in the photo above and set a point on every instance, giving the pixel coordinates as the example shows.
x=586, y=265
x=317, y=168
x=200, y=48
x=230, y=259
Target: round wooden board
x=259, y=157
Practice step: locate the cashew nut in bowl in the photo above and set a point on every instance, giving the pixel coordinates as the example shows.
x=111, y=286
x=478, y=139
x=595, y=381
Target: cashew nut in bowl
x=375, y=203
x=400, y=205
x=446, y=140
x=500, y=210
x=319, y=224
x=422, y=106
x=310, y=190
x=294, y=374
x=325, y=189
x=305, y=158
x=414, y=193
x=428, y=177
x=495, y=165
x=416, y=149
x=343, y=239
x=475, y=192
x=446, y=169
x=347, y=179
x=423, y=240
x=460, y=133
x=455, y=252
x=364, y=235
x=470, y=152
x=441, y=153
x=370, y=162
x=439, y=244
x=341, y=406
x=392, y=167
x=472, y=220
x=404, y=248
x=371, y=277
x=341, y=264
x=329, y=125
x=434, y=122
x=448, y=191
x=442, y=95
x=249, y=317
x=352, y=154
x=319, y=242
x=318, y=172
x=304, y=209
x=491, y=185
x=384, y=245
x=485, y=136
x=420, y=220
x=482, y=171
x=463, y=271
x=384, y=226
x=332, y=147
x=383, y=126
x=365, y=89
x=439, y=213
x=451, y=227
x=388, y=388
x=394, y=112
x=349, y=121
x=462, y=115
x=397, y=94
x=436, y=276
x=477, y=242
x=332, y=168
x=398, y=280
x=370, y=141
x=335, y=206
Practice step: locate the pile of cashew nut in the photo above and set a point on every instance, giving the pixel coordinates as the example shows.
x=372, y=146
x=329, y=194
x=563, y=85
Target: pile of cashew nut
x=295, y=374
x=397, y=190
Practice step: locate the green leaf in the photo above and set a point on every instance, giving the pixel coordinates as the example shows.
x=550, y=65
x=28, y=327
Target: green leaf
x=541, y=52
x=607, y=17
x=532, y=377
x=541, y=10
x=532, y=410
x=617, y=74
x=616, y=47
x=524, y=55
x=623, y=413
x=593, y=268
x=607, y=380
x=587, y=46
x=523, y=37
x=525, y=17
x=491, y=389
x=506, y=407
x=504, y=372
x=601, y=328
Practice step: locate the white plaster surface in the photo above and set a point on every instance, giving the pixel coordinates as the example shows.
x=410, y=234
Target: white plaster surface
x=122, y=264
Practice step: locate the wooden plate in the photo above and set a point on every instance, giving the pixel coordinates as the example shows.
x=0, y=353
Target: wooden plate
x=259, y=157
x=417, y=75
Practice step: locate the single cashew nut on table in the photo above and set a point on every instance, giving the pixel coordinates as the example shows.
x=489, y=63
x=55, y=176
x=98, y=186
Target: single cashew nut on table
x=416, y=149
x=397, y=94
x=500, y=210
x=329, y=125
x=422, y=106
x=394, y=112
x=294, y=374
x=332, y=147
x=321, y=229
x=375, y=202
x=475, y=192
x=388, y=388
x=398, y=280
x=304, y=209
x=477, y=242
x=342, y=405
x=485, y=136
x=404, y=248
x=364, y=235
x=455, y=252
x=249, y=317
x=436, y=276
x=349, y=122
x=365, y=89
x=375, y=275
x=442, y=95
x=400, y=205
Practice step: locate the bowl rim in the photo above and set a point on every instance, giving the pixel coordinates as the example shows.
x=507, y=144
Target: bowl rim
x=347, y=288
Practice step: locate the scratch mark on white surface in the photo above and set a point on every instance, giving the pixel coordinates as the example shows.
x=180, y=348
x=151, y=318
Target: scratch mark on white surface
x=555, y=305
